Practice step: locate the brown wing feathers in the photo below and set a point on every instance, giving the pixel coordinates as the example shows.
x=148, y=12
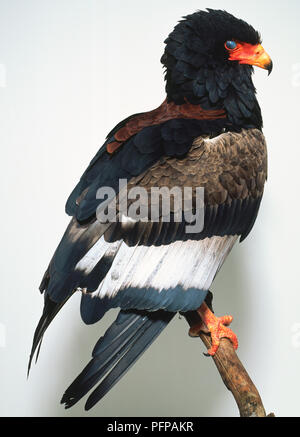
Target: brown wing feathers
x=232, y=169
x=230, y=166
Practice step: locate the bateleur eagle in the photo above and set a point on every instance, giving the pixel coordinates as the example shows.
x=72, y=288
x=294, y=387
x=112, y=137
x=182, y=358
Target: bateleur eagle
x=207, y=133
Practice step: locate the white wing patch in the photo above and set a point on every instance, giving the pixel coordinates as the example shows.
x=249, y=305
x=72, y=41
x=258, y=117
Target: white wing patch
x=190, y=264
x=91, y=258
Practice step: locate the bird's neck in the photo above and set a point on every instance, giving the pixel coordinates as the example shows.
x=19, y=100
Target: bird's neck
x=230, y=90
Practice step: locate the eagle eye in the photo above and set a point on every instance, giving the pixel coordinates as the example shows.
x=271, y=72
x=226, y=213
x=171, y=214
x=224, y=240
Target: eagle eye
x=230, y=45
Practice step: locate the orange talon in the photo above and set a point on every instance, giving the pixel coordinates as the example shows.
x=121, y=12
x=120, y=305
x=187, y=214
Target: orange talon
x=217, y=326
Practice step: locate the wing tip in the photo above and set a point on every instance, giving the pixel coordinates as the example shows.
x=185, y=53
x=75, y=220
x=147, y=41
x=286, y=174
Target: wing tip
x=127, y=343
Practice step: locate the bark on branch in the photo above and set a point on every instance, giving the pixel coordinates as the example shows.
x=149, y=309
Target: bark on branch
x=233, y=374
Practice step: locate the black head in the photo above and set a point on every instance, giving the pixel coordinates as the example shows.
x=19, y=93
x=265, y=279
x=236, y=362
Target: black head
x=208, y=59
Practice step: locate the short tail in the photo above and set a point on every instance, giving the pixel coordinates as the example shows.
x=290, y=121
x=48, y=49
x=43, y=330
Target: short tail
x=123, y=343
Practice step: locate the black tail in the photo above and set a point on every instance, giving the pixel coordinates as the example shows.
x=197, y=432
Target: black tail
x=123, y=343
x=50, y=310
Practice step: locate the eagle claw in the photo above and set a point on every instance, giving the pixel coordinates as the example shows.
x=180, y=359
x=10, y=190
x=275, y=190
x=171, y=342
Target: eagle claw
x=216, y=326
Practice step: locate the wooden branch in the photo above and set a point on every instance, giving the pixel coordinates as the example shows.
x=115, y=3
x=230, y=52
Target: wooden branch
x=233, y=374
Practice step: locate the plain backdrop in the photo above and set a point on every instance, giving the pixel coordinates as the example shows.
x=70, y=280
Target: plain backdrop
x=69, y=71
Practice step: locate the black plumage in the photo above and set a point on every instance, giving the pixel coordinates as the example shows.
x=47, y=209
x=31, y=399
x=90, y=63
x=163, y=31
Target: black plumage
x=191, y=55
x=207, y=133
x=126, y=339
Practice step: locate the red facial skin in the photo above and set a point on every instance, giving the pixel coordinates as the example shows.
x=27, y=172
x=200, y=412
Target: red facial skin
x=250, y=54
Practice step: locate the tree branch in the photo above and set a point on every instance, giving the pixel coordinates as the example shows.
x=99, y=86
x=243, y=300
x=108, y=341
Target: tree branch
x=233, y=374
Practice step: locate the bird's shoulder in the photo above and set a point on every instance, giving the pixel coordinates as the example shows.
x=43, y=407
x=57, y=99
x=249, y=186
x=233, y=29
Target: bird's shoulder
x=137, y=143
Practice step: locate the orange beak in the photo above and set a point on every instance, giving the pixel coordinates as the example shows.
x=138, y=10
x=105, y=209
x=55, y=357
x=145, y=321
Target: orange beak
x=251, y=54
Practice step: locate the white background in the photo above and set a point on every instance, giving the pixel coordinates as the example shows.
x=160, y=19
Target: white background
x=70, y=70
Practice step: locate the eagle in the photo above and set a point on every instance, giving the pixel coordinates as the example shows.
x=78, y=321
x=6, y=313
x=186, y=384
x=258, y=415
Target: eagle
x=206, y=141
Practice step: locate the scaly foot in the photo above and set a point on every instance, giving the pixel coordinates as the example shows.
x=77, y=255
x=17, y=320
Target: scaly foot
x=217, y=326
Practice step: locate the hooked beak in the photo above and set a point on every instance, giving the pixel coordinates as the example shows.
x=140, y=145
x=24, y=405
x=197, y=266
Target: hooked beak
x=252, y=55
